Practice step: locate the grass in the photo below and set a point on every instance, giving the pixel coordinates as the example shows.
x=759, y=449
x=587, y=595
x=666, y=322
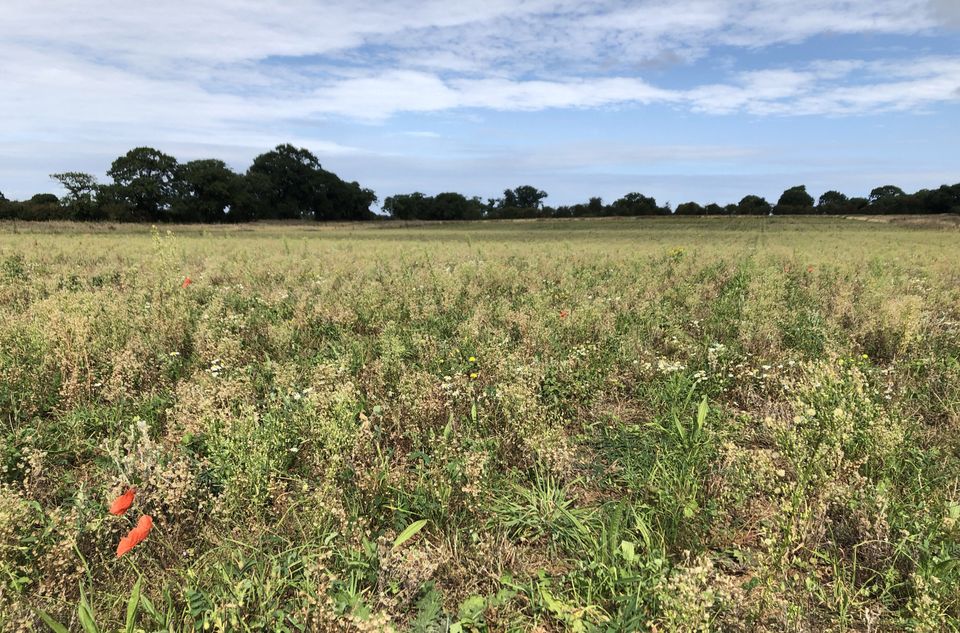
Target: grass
x=589, y=425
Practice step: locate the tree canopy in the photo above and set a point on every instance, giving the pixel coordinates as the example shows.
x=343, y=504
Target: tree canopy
x=289, y=183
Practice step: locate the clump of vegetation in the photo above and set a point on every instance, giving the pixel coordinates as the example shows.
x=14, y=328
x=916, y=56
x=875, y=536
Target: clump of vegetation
x=736, y=424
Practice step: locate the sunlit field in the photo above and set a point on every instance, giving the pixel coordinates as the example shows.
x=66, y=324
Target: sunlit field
x=738, y=424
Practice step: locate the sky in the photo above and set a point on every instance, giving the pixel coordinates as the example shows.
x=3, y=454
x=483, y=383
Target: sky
x=705, y=100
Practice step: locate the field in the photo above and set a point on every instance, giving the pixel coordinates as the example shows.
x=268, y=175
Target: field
x=743, y=424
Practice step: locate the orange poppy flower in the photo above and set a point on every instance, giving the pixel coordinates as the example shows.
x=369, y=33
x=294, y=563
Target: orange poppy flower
x=564, y=313
x=144, y=525
x=122, y=503
x=186, y=282
x=136, y=535
x=126, y=544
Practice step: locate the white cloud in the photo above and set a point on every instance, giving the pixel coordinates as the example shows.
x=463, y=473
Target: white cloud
x=947, y=12
x=103, y=75
x=879, y=86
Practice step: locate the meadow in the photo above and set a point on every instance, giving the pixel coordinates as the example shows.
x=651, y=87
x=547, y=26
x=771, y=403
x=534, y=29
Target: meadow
x=653, y=424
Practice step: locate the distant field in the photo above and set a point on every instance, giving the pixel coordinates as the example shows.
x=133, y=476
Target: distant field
x=613, y=424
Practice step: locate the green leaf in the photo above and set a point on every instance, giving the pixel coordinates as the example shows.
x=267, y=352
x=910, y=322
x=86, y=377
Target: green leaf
x=628, y=550
x=409, y=532
x=682, y=432
x=132, y=605
x=55, y=626
x=702, y=411
x=472, y=609
x=85, y=613
x=152, y=611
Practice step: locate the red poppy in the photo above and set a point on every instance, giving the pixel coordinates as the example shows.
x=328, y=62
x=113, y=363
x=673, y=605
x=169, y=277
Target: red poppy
x=809, y=269
x=144, y=525
x=126, y=544
x=564, y=314
x=136, y=535
x=122, y=503
x=186, y=282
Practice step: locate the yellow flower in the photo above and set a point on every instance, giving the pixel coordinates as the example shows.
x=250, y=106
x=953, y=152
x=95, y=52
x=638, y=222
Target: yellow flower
x=473, y=359
x=474, y=375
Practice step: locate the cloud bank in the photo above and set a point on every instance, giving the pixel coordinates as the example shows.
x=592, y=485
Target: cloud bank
x=243, y=74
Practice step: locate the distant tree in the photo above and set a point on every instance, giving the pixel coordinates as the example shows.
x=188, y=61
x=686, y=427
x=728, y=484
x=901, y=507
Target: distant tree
x=945, y=199
x=595, y=206
x=715, y=209
x=887, y=199
x=283, y=183
x=340, y=200
x=410, y=206
x=524, y=197
x=522, y=202
x=81, y=198
x=690, y=208
x=3, y=198
x=289, y=183
x=793, y=201
x=145, y=180
x=45, y=198
x=635, y=204
x=444, y=206
x=753, y=205
x=858, y=206
x=42, y=206
x=454, y=206
x=886, y=192
x=832, y=202
x=209, y=191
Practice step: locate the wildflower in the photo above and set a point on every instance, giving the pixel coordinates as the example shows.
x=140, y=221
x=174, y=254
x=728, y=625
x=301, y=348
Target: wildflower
x=809, y=269
x=136, y=535
x=564, y=314
x=472, y=359
x=474, y=375
x=122, y=503
x=186, y=282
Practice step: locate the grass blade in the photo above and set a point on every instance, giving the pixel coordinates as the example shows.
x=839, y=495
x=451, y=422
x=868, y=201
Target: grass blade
x=409, y=532
x=55, y=626
x=132, y=605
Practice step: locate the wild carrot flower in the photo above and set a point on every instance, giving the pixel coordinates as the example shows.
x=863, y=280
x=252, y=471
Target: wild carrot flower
x=136, y=535
x=122, y=503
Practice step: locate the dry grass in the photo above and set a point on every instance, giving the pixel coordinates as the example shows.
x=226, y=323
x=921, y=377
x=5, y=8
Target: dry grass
x=616, y=424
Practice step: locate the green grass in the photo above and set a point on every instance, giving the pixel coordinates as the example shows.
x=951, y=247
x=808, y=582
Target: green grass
x=586, y=425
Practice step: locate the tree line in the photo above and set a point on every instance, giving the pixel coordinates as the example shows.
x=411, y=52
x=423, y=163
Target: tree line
x=289, y=183
x=149, y=186
x=528, y=202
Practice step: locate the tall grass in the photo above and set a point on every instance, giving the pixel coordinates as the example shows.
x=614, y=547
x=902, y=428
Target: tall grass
x=609, y=425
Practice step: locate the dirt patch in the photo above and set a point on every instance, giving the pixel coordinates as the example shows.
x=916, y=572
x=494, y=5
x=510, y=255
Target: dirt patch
x=944, y=221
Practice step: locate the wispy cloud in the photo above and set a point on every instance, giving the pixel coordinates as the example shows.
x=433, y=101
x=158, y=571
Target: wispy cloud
x=245, y=74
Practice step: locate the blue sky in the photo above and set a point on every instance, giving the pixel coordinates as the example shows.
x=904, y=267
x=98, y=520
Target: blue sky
x=703, y=100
